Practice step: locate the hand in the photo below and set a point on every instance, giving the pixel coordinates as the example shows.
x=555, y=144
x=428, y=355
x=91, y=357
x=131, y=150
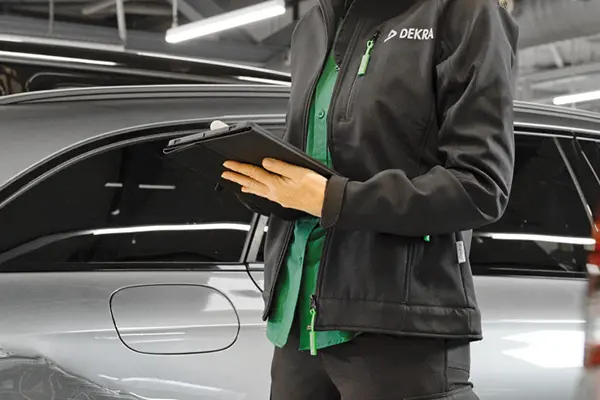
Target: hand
x=288, y=185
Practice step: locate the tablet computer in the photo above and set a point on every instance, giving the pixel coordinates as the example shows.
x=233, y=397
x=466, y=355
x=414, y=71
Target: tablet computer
x=244, y=142
x=205, y=153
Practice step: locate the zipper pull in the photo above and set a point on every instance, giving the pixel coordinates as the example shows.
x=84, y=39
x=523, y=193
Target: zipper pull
x=364, y=62
x=312, y=334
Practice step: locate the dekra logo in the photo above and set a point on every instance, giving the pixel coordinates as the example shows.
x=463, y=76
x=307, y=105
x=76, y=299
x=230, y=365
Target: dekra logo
x=411, y=34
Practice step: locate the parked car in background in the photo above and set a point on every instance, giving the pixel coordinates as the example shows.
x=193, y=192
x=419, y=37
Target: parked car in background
x=28, y=67
x=589, y=385
x=124, y=275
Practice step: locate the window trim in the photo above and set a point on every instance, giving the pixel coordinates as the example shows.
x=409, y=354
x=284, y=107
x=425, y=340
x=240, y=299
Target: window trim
x=587, y=160
x=254, y=240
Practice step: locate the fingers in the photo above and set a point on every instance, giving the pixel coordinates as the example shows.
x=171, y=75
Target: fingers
x=284, y=169
x=244, y=181
x=254, y=192
x=254, y=172
x=217, y=125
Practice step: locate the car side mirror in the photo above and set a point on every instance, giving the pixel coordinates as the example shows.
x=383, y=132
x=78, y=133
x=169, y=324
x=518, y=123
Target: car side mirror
x=174, y=319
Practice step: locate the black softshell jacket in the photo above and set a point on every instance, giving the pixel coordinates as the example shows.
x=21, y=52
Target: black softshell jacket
x=422, y=139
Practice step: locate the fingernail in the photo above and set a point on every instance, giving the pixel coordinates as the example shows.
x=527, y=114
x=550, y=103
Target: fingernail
x=267, y=162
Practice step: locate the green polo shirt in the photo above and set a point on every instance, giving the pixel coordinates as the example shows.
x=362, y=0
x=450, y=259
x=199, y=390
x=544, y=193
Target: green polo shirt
x=298, y=277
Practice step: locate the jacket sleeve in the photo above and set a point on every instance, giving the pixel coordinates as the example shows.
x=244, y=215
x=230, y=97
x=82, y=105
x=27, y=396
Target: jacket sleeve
x=470, y=187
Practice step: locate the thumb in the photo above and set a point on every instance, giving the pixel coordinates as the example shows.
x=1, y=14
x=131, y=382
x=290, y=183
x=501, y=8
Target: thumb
x=217, y=125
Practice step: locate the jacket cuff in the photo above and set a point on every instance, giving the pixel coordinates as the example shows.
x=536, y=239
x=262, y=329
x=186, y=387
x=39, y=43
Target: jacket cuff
x=334, y=197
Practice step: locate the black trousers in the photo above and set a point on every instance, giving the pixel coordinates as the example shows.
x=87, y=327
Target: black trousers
x=374, y=367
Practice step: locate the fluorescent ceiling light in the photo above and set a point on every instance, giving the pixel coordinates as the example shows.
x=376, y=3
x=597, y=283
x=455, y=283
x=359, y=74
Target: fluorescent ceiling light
x=44, y=57
x=263, y=80
x=576, y=98
x=230, y=20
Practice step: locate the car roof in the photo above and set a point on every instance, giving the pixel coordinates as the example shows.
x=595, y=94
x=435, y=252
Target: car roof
x=137, y=63
x=38, y=125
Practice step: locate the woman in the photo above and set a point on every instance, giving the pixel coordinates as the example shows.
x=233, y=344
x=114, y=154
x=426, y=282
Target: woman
x=368, y=287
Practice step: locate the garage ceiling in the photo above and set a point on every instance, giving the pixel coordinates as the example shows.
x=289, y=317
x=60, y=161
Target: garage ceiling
x=559, y=54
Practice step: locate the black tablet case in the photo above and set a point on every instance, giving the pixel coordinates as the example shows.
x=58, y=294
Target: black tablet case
x=206, y=152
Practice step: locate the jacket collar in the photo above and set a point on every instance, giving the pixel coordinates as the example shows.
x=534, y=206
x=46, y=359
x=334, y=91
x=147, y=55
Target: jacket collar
x=359, y=11
x=333, y=12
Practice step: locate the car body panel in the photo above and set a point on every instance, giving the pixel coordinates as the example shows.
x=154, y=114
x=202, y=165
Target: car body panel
x=73, y=309
x=533, y=338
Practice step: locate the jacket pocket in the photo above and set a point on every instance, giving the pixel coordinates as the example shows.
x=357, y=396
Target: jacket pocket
x=351, y=98
x=366, y=266
x=436, y=279
x=360, y=74
x=460, y=261
x=465, y=393
x=466, y=274
x=414, y=252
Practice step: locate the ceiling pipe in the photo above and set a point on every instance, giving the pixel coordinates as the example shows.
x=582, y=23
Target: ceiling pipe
x=121, y=21
x=50, y=16
x=543, y=22
x=175, y=13
x=97, y=7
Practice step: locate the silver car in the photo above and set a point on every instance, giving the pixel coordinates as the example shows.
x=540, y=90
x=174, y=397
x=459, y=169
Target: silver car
x=125, y=275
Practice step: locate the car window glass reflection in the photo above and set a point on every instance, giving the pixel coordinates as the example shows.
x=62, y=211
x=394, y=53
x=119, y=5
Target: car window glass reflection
x=545, y=226
x=131, y=204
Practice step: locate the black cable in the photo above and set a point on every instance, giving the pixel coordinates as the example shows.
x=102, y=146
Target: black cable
x=252, y=278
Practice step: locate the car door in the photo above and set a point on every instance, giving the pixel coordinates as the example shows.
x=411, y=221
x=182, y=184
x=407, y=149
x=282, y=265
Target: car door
x=529, y=281
x=123, y=275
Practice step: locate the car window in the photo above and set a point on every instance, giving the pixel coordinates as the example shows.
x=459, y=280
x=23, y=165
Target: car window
x=587, y=155
x=545, y=226
x=126, y=205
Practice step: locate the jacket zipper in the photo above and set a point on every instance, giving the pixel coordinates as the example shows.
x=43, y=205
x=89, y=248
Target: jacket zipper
x=278, y=271
x=307, y=104
x=366, y=58
x=313, y=299
x=313, y=85
x=362, y=71
x=336, y=92
x=313, y=318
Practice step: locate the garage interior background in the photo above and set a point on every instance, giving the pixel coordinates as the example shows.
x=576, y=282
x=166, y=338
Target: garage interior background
x=559, y=44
